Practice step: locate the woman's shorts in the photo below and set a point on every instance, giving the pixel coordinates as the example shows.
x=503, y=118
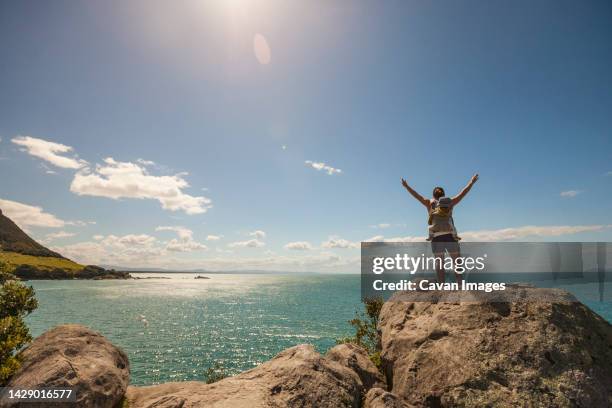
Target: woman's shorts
x=445, y=243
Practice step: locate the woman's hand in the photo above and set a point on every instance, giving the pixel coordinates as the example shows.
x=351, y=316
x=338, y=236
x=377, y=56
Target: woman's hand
x=474, y=178
x=404, y=183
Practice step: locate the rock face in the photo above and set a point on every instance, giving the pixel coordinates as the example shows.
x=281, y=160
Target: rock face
x=357, y=359
x=296, y=377
x=379, y=398
x=480, y=353
x=78, y=357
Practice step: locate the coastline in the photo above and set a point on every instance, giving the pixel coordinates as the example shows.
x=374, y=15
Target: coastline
x=345, y=376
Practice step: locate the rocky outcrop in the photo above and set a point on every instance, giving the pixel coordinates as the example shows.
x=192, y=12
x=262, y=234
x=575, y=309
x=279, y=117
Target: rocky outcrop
x=77, y=357
x=379, y=398
x=357, y=359
x=489, y=353
x=475, y=352
x=96, y=272
x=296, y=377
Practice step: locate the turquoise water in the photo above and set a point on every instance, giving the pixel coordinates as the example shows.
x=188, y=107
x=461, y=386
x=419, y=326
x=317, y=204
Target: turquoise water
x=236, y=320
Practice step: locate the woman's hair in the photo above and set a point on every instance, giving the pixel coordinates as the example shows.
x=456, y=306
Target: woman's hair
x=438, y=192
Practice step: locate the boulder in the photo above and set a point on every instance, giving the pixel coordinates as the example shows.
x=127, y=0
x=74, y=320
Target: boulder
x=479, y=352
x=77, y=357
x=357, y=359
x=379, y=398
x=296, y=377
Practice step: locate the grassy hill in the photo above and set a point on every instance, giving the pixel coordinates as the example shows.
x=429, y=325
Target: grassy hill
x=45, y=263
x=28, y=260
x=17, y=248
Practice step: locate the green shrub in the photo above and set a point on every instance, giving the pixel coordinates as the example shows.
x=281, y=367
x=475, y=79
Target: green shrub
x=366, y=332
x=215, y=373
x=16, y=301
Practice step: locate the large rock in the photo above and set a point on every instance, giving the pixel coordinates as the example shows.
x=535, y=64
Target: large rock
x=357, y=359
x=296, y=377
x=379, y=398
x=77, y=357
x=484, y=353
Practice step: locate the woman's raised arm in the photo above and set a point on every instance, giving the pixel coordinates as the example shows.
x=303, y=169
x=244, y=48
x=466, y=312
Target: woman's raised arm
x=465, y=190
x=416, y=195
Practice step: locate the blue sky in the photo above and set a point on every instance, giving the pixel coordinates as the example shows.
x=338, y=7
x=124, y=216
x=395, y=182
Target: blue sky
x=230, y=99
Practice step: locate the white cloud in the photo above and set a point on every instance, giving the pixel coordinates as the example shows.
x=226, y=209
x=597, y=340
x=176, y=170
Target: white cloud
x=302, y=262
x=49, y=151
x=56, y=235
x=129, y=180
x=337, y=242
x=26, y=215
x=505, y=234
x=134, y=240
x=86, y=253
x=508, y=234
x=145, y=162
x=131, y=249
x=185, y=241
x=570, y=193
x=322, y=166
x=80, y=223
x=251, y=243
x=258, y=234
x=213, y=237
x=382, y=225
x=182, y=232
x=299, y=246
x=380, y=238
x=180, y=245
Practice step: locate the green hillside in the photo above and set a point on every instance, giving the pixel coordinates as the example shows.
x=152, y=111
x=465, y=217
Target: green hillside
x=29, y=260
x=14, y=259
x=17, y=248
x=13, y=239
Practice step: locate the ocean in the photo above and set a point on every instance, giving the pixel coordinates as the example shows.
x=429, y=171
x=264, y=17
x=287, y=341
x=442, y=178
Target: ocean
x=173, y=329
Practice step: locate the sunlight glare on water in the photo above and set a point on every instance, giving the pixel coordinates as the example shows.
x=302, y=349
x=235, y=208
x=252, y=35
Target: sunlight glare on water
x=239, y=321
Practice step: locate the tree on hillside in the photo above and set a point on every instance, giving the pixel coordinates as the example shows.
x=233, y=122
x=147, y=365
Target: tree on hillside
x=16, y=301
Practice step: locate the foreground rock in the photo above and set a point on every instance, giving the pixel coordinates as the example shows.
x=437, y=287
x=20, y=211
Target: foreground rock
x=481, y=353
x=379, y=398
x=78, y=357
x=296, y=377
x=357, y=359
x=447, y=353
